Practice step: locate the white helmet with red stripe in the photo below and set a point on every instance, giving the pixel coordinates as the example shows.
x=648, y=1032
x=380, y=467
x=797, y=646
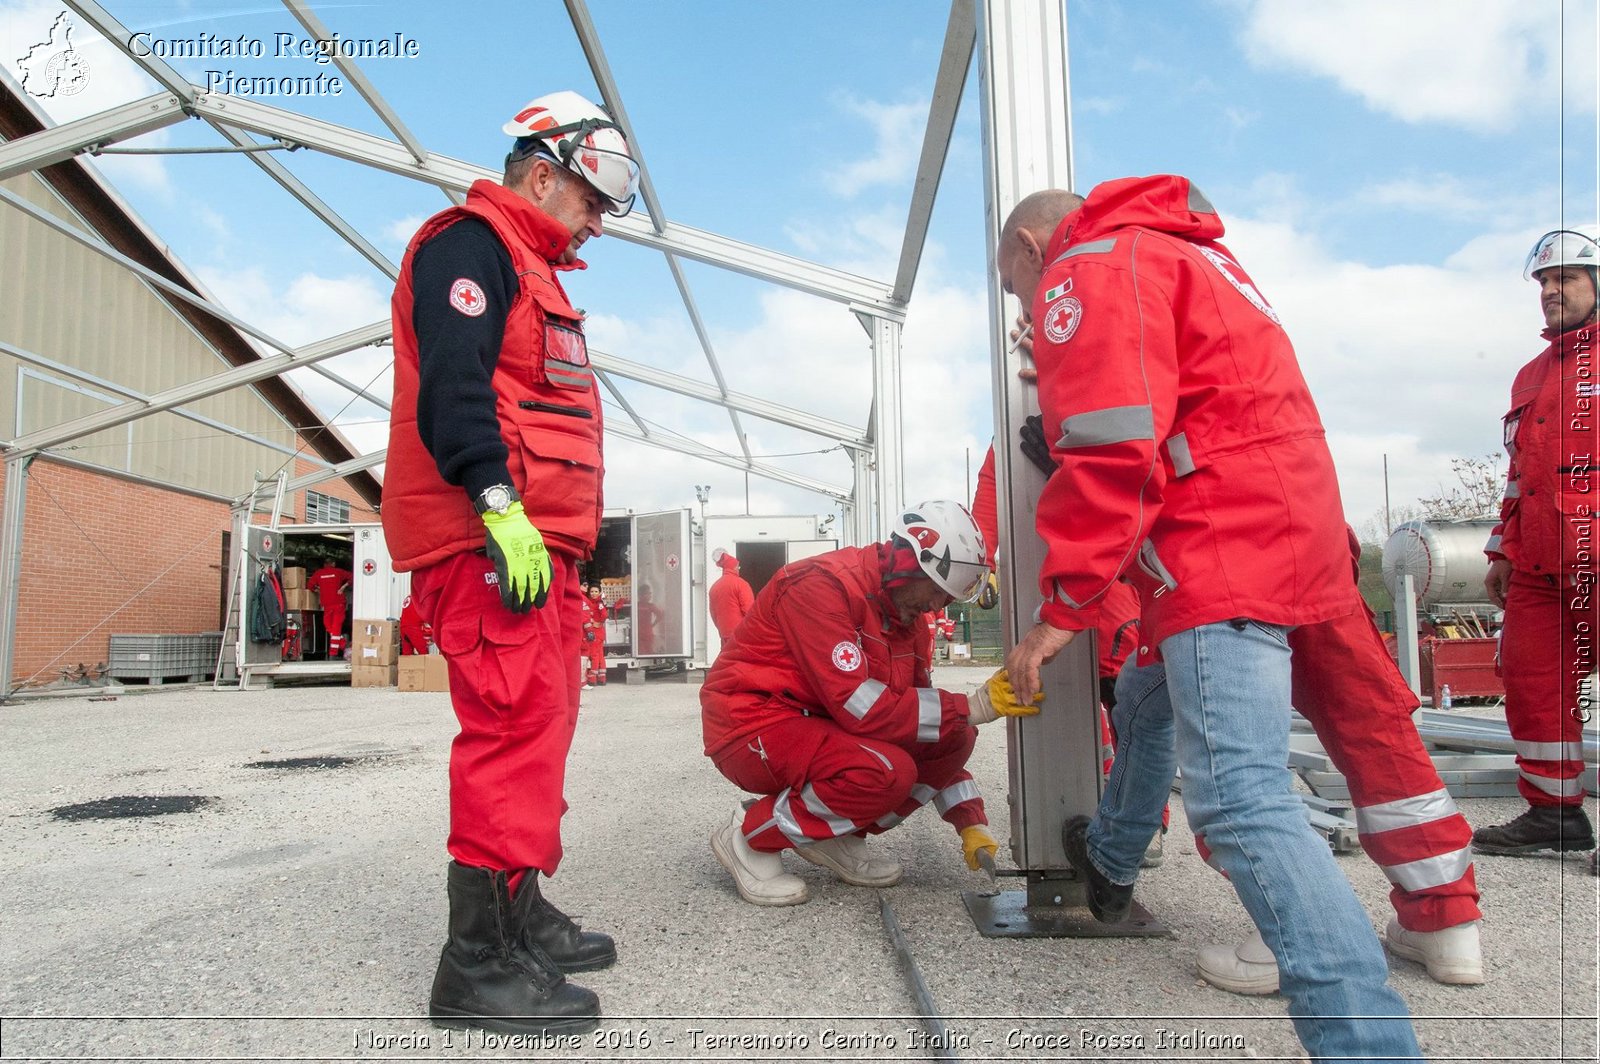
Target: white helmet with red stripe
x=948, y=546
x=581, y=137
x=1578, y=246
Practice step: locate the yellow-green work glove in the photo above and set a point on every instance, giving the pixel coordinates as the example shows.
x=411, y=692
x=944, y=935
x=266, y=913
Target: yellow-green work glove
x=996, y=699
x=989, y=597
x=977, y=838
x=520, y=560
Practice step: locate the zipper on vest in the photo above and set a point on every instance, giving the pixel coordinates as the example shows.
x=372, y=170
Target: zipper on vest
x=556, y=408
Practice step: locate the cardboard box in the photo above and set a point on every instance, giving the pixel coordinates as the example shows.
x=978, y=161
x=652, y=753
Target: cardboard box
x=294, y=576
x=299, y=598
x=423, y=672
x=374, y=643
x=372, y=675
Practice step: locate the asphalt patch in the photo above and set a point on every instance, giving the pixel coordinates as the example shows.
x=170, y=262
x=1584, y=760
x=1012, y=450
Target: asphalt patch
x=302, y=764
x=124, y=806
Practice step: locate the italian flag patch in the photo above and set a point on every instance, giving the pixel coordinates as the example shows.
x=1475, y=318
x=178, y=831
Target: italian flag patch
x=1059, y=290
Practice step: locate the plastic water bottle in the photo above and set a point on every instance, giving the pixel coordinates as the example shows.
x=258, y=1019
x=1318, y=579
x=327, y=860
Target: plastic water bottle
x=1444, y=697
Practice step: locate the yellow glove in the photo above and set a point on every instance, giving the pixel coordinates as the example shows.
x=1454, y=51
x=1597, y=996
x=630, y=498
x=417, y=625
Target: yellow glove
x=996, y=699
x=521, y=562
x=989, y=597
x=974, y=839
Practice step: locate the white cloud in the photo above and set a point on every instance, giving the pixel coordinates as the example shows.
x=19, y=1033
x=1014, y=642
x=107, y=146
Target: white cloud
x=400, y=231
x=1478, y=64
x=897, y=145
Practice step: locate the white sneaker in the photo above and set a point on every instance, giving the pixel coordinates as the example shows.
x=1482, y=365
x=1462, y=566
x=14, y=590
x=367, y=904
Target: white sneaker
x=847, y=857
x=588, y=687
x=1248, y=968
x=759, y=877
x=1451, y=955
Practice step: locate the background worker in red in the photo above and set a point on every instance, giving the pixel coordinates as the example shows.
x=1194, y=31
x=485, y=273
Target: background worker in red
x=594, y=638
x=495, y=403
x=1348, y=688
x=1542, y=562
x=1192, y=460
x=332, y=585
x=730, y=598
x=415, y=633
x=823, y=705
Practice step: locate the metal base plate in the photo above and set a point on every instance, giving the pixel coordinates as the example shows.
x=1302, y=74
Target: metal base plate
x=1007, y=915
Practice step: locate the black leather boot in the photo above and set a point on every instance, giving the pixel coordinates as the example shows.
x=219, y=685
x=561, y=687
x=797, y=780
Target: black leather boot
x=1109, y=902
x=1542, y=827
x=488, y=977
x=544, y=927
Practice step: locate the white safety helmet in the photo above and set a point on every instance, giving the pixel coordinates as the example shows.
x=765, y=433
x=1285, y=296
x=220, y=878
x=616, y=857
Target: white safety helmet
x=948, y=546
x=1578, y=246
x=581, y=137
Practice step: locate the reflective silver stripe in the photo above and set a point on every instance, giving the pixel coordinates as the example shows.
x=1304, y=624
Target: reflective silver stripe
x=1560, y=788
x=1198, y=202
x=568, y=376
x=864, y=697
x=1513, y=489
x=1430, y=871
x=1150, y=562
x=877, y=755
x=922, y=794
x=1405, y=812
x=1093, y=247
x=819, y=809
x=1178, y=450
x=794, y=840
x=1550, y=751
x=1060, y=596
x=1114, y=424
x=783, y=816
x=888, y=820
x=954, y=795
x=1493, y=544
x=930, y=714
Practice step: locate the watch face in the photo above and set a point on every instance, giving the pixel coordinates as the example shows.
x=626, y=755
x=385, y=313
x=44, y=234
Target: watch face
x=496, y=498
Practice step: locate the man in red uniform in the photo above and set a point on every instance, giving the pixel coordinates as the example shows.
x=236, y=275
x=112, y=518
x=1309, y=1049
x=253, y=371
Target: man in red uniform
x=332, y=585
x=594, y=638
x=730, y=598
x=1542, y=554
x=1192, y=461
x=414, y=631
x=823, y=706
x=495, y=402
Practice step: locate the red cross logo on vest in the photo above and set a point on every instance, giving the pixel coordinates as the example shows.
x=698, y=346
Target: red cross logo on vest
x=847, y=657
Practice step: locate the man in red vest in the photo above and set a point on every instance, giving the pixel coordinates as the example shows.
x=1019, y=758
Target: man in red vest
x=332, y=585
x=730, y=598
x=495, y=403
x=594, y=638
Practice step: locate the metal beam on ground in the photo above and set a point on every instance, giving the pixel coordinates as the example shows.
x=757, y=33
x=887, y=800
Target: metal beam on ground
x=97, y=130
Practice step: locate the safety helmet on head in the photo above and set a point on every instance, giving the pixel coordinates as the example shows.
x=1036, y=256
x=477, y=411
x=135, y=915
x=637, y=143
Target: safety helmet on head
x=724, y=560
x=948, y=546
x=1577, y=246
x=582, y=139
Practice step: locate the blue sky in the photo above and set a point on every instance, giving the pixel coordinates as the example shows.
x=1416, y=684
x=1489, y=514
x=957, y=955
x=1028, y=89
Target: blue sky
x=1382, y=168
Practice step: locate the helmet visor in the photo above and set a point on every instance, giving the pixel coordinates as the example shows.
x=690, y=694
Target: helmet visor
x=596, y=151
x=960, y=580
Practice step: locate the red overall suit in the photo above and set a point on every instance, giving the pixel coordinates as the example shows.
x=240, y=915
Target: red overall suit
x=594, y=641
x=730, y=598
x=414, y=631
x=1547, y=532
x=823, y=706
x=332, y=586
x=514, y=678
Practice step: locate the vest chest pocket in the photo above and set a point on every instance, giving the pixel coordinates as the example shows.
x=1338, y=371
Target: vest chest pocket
x=559, y=351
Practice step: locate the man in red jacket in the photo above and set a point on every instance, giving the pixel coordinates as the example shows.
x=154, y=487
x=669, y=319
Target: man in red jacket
x=730, y=598
x=1192, y=461
x=495, y=402
x=594, y=638
x=823, y=706
x=332, y=585
x=1542, y=554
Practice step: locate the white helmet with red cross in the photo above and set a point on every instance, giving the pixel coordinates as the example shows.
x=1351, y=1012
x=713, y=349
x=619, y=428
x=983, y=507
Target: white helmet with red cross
x=581, y=137
x=948, y=546
x=1577, y=246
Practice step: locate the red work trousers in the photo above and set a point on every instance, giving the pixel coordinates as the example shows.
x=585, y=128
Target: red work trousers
x=1547, y=649
x=820, y=782
x=334, y=611
x=594, y=657
x=1347, y=686
x=514, y=685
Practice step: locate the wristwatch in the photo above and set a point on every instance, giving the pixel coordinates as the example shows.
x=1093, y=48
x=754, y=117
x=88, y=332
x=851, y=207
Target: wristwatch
x=496, y=498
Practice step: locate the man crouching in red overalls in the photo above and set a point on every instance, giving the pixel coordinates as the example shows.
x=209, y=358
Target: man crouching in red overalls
x=823, y=706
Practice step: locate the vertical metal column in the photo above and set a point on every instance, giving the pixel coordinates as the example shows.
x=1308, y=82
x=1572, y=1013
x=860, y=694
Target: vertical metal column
x=1054, y=758
x=16, y=500
x=858, y=521
x=1406, y=632
x=889, y=482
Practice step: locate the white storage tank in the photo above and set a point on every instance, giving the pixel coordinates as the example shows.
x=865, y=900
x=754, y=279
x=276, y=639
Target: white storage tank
x=1444, y=558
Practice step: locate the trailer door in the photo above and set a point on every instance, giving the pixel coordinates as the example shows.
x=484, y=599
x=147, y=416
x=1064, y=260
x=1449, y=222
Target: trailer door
x=660, y=603
x=810, y=548
x=263, y=550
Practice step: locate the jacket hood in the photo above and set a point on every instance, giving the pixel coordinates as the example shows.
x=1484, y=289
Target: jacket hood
x=1166, y=203
x=541, y=232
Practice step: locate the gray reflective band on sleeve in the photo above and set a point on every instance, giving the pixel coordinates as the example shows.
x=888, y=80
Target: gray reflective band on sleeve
x=954, y=795
x=1559, y=788
x=1198, y=202
x=922, y=794
x=1178, y=451
x=1405, y=812
x=819, y=809
x=1430, y=871
x=1093, y=247
x=1114, y=424
x=783, y=816
x=1060, y=596
x=1513, y=489
x=863, y=698
x=930, y=714
x=1493, y=544
x=1549, y=751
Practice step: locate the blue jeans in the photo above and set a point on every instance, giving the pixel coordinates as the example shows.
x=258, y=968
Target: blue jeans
x=1218, y=708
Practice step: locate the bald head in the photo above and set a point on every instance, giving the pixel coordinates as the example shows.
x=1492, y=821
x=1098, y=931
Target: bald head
x=1040, y=213
x=1024, y=238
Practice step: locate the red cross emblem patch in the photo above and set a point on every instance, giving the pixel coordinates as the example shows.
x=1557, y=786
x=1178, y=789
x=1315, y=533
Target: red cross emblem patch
x=847, y=657
x=467, y=297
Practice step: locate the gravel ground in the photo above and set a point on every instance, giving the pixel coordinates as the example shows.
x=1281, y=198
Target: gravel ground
x=299, y=913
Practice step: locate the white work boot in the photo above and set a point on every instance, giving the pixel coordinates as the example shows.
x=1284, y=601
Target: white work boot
x=848, y=859
x=1451, y=955
x=759, y=876
x=1248, y=968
